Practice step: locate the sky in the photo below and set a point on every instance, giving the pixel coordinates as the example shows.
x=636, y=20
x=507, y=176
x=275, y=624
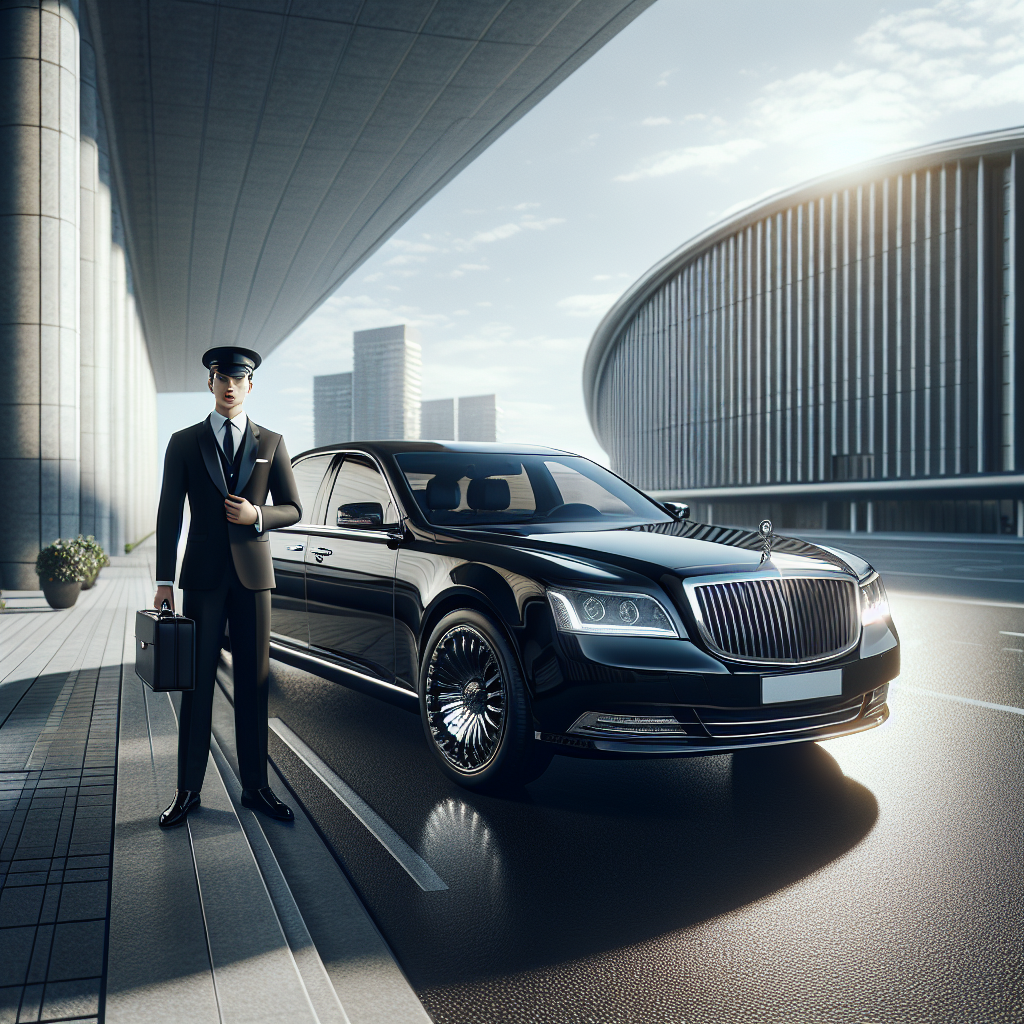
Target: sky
x=691, y=113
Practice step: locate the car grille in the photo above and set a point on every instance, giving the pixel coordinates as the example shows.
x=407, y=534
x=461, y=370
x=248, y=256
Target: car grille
x=790, y=621
x=747, y=723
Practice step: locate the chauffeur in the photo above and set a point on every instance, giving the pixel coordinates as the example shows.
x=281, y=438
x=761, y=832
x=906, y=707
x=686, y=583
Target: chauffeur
x=225, y=465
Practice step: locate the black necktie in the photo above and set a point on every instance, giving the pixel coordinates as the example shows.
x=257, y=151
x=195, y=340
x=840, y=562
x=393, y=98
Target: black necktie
x=229, y=442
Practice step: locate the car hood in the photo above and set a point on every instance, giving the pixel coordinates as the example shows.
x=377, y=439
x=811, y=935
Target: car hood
x=692, y=549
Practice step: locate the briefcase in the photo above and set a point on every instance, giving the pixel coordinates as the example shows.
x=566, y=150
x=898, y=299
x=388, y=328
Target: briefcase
x=165, y=655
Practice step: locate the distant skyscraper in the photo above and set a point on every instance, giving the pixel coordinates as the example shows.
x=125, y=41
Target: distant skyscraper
x=437, y=419
x=478, y=418
x=332, y=409
x=386, y=366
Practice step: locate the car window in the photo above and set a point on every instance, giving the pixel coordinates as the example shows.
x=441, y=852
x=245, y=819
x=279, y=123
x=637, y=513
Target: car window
x=359, y=480
x=575, y=488
x=308, y=475
x=495, y=489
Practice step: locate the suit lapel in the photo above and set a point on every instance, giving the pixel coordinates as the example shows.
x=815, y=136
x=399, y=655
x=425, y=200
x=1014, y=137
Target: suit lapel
x=249, y=448
x=208, y=447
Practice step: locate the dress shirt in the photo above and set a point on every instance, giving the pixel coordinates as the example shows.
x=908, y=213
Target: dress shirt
x=238, y=424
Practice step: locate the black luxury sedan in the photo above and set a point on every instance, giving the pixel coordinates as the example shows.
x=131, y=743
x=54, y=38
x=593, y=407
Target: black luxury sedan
x=528, y=602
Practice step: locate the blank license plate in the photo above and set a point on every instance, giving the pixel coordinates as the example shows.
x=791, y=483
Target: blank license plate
x=802, y=686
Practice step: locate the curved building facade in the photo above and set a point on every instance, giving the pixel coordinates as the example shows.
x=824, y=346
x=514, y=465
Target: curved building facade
x=844, y=355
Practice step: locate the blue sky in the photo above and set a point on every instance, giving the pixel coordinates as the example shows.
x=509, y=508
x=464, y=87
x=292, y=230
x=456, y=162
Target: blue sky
x=691, y=113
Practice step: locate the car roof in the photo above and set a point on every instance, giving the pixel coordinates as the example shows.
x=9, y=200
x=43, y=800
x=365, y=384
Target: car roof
x=388, y=448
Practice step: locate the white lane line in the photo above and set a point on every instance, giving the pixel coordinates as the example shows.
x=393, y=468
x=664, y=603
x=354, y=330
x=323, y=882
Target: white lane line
x=954, y=600
x=1006, y=632
x=416, y=867
x=960, y=700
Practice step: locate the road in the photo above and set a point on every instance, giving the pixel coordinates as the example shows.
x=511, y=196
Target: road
x=873, y=878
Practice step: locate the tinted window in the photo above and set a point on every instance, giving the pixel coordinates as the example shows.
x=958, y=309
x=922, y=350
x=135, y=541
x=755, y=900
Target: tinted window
x=359, y=480
x=487, y=489
x=308, y=475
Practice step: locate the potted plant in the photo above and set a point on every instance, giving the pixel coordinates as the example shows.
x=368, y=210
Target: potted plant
x=94, y=557
x=61, y=569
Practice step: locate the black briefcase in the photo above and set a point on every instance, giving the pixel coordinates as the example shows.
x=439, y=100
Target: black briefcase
x=165, y=658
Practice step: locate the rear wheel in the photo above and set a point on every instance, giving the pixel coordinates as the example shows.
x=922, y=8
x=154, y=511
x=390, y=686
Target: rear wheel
x=474, y=705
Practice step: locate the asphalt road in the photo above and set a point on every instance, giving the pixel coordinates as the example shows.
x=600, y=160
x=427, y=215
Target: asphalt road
x=874, y=878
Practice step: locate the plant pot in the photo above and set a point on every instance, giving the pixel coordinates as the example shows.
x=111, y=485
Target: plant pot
x=90, y=580
x=60, y=595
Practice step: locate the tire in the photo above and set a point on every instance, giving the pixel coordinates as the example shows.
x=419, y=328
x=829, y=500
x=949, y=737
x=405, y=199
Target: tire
x=474, y=705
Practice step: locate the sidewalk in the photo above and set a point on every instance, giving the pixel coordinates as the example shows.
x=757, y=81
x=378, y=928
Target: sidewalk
x=106, y=917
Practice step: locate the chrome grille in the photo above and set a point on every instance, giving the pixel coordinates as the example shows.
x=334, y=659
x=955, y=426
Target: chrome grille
x=744, y=723
x=792, y=620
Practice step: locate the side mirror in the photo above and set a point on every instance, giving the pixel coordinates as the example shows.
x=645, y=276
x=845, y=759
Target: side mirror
x=361, y=515
x=677, y=509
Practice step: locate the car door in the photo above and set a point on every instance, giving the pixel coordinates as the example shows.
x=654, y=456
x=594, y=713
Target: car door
x=288, y=623
x=350, y=570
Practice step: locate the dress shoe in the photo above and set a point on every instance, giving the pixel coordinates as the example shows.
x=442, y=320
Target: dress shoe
x=185, y=800
x=264, y=800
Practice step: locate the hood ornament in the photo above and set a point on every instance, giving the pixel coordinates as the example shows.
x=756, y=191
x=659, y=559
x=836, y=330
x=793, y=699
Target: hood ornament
x=765, y=529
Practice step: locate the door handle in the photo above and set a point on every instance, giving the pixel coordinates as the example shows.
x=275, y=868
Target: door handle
x=294, y=547
x=319, y=553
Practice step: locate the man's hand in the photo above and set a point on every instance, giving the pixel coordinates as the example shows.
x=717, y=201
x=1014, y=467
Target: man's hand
x=164, y=594
x=239, y=510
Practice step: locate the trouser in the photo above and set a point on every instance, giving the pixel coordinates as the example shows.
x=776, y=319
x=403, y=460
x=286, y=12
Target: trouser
x=248, y=614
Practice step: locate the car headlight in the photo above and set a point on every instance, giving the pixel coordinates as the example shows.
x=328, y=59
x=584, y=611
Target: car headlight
x=609, y=613
x=874, y=604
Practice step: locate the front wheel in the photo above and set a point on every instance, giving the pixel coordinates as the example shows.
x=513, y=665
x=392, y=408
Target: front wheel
x=474, y=706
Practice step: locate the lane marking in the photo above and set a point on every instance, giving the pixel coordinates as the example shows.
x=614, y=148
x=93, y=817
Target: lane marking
x=415, y=866
x=946, y=576
x=1007, y=632
x=1014, y=650
x=960, y=700
x=955, y=600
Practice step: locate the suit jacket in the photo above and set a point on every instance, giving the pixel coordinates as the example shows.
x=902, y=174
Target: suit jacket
x=193, y=469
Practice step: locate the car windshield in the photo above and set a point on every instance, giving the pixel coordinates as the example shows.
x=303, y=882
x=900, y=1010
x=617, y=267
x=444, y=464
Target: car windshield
x=492, y=489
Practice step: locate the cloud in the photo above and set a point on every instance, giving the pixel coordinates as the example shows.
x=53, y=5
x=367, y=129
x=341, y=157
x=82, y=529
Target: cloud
x=527, y=223
x=901, y=76
x=403, y=259
x=694, y=157
x=653, y=122
x=526, y=206
x=587, y=305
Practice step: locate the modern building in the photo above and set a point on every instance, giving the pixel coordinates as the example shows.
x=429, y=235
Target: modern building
x=847, y=354
x=437, y=419
x=478, y=418
x=386, y=371
x=332, y=409
x=179, y=175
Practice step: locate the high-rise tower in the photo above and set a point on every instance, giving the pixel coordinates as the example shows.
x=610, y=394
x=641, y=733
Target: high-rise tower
x=386, y=366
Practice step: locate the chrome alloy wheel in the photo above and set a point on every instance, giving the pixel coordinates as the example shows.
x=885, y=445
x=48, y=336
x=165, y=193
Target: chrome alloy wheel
x=466, y=698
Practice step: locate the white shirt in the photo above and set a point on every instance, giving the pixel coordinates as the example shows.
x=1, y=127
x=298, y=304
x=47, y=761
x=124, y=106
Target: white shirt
x=238, y=424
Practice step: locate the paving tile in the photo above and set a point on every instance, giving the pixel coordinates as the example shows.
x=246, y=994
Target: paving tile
x=31, y=1002
x=40, y=954
x=15, y=952
x=10, y=1000
x=26, y=878
x=77, y=951
x=71, y=999
x=51, y=903
x=39, y=864
x=85, y=874
x=20, y=905
x=82, y=901
x=88, y=862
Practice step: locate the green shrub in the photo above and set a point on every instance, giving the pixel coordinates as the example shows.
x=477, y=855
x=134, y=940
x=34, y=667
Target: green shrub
x=62, y=562
x=92, y=553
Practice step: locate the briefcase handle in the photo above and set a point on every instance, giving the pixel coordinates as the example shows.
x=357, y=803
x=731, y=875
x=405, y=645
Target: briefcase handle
x=166, y=612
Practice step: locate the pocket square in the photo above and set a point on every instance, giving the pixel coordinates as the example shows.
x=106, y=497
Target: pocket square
x=263, y=460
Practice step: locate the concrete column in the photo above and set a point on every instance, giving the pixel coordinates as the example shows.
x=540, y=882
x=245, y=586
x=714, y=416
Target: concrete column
x=869, y=525
x=853, y=517
x=118, y=397
x=39, y=282
x=1020, y=518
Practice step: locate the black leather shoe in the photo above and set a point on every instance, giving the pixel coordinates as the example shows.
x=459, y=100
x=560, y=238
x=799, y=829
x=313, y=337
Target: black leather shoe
x=185, y=800
x=265, y=801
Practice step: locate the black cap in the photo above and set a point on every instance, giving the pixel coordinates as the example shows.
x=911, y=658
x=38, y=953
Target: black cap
x=233, y=361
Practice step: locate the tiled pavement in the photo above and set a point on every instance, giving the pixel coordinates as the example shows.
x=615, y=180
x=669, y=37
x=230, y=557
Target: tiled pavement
x=104, y=917
x=60, y=675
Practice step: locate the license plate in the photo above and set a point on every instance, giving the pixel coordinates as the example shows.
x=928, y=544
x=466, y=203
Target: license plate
x=801, y=686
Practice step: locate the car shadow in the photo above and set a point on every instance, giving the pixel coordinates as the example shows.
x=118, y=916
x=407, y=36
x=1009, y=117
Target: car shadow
x=592, y=857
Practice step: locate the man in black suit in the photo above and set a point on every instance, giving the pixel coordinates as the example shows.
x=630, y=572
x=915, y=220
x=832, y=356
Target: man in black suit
x=226, y=466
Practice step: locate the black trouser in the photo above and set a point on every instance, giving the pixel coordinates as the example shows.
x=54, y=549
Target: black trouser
x=248, y=614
